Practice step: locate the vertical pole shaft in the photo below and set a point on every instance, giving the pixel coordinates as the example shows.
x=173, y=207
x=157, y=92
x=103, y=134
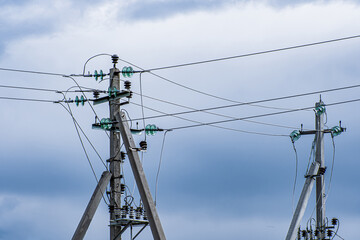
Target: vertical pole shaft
x=320, y=184
x=115, y=157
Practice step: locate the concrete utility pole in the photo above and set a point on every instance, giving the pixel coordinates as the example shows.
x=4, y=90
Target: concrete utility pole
x=115, y=158
x=320, y=183
x=316, y=171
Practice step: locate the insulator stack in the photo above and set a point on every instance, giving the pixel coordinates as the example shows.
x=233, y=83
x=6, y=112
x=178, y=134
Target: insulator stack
x=131, y=213
x=122, y=156
x=99, y=75
x=113, y=91
x=105, y=123
x=124, y=211
x=122, y=188
x=127, y=85
x=96, y=94
x=79, y=100
x=151, y=129
x=145, y=216
x=320, y=109
x=143, y=145
x=117, y=212
x=138, y=212
x=295, y=135
x=127, y=71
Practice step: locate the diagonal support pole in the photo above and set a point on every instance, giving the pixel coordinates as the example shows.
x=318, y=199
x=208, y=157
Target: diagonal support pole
x=92, y=206
x=139, y=175
x=303, y=201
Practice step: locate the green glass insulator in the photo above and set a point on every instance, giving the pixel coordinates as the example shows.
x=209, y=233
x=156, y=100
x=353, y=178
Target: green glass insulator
x=96, y=75
x=150, y=129
x=123, y=71
x=112, y=91
x=295, y=135
x=101, y=75
x=82, y=99
x=129, y=71
x=320, y=110
x=336, y=131
x=106, y=123
x=77, y=101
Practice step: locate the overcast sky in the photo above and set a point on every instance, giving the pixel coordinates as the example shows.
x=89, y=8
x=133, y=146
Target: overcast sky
x=214, y=183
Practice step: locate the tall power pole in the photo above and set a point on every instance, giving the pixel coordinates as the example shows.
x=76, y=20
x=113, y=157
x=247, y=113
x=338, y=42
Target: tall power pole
x=115, y=158
x=316, y=171
x=320, y=184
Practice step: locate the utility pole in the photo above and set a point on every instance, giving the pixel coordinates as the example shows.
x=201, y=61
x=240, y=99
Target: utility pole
x=320, y=159
x=316, y=171
x=115, y=158
x=126, y=216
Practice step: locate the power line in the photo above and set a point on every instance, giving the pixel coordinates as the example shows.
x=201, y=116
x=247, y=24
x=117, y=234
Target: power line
x=29, y=88
x=221, y=127
x=257, y=101
x=211, y=113
x=27, y=99
x=253, y=54
x=30, y=71
x=195, y=90
x=261, y=115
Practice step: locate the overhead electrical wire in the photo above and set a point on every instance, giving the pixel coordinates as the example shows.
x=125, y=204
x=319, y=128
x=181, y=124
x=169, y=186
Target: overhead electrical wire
x=160, y=161
x=256, y=101
x=76, y=124
x=296, y=171
x=216, y=126
x=32, y=72
x=262, y=115
x=195, y=90
x=212, y=113
x=254, y=53
x=97, y=55
x=27, y=99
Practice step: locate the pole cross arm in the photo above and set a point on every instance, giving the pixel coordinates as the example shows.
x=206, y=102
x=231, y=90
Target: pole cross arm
x=119, y=95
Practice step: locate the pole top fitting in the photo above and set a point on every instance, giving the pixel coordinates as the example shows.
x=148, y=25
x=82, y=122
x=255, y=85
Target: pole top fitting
x=115, y=59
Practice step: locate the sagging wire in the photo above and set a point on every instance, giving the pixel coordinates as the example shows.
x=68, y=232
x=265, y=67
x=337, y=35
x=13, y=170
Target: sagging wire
x=97, y=55
x=82, y=131
x=160, y=161
x=83, y=147
x=296, y=172
x=332, y=166
x=216, y=126
x=96, y=116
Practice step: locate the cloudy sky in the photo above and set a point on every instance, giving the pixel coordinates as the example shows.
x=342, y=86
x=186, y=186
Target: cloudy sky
x=214, y=183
